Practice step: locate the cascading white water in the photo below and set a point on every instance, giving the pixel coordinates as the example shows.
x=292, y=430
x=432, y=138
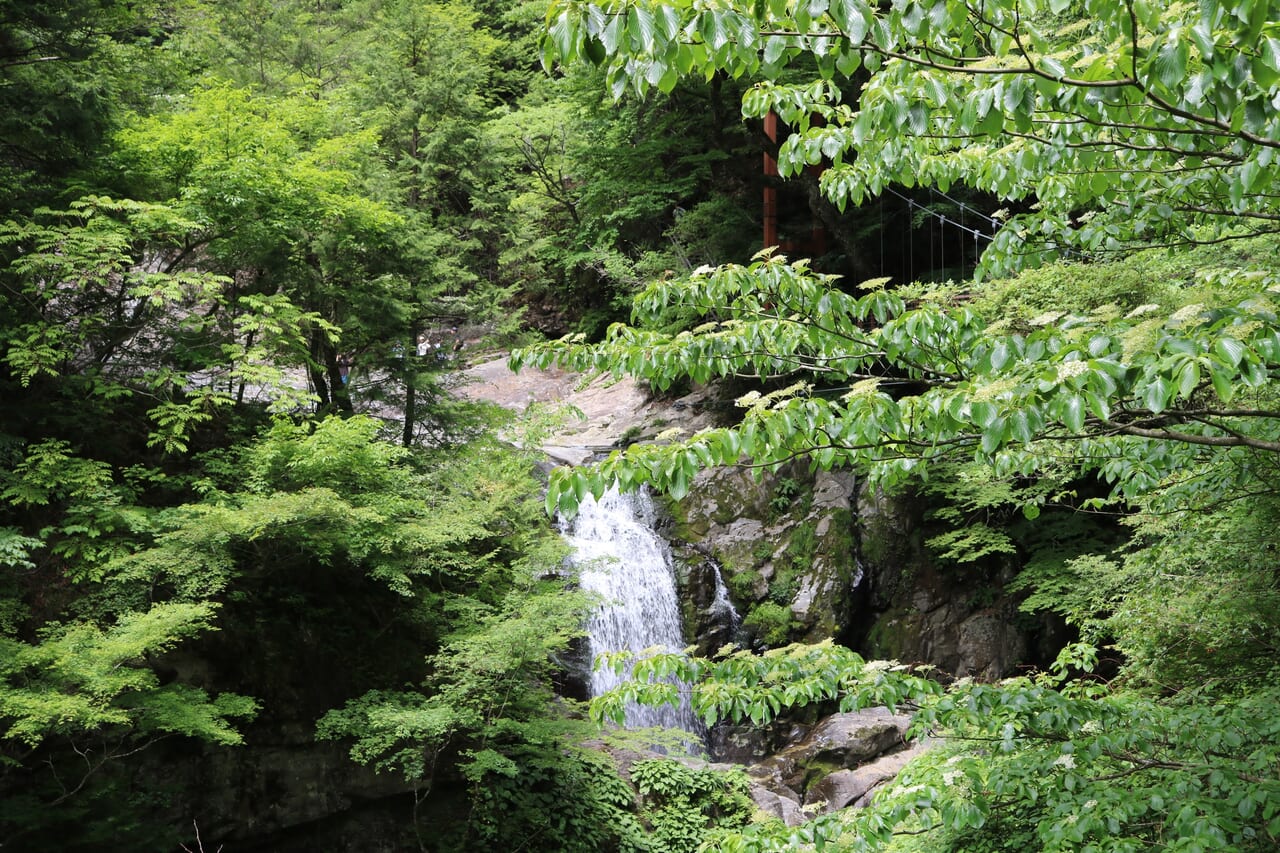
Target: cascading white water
x=623, y=560
x=722, y=606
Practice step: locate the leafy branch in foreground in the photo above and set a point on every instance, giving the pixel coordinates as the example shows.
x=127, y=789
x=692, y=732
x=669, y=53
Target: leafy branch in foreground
x=1083, y=767
x=744, y=686
x=1136, y=398
x=82, y=678
x=1154, y=119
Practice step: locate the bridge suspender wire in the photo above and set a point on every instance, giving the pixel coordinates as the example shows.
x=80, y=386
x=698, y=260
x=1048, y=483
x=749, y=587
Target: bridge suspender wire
x=995, y=224
x=942, y=241
x=946, y=220
x=978, y=234
x=933, y=269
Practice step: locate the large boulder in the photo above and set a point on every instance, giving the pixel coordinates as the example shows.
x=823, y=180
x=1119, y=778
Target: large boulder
x=852, y=738
x=842, y=741
x=748, y=744
x=785, y=809
x=854, y=787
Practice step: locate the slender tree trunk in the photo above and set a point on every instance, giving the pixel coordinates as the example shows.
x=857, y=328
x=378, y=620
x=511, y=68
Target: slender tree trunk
x=409, y=366
x=319, y=380
x=341, y=393
x=248, y=344
x=717, y=114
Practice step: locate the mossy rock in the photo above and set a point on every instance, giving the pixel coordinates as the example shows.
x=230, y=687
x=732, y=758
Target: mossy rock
x=896, y=635
x=717, y=498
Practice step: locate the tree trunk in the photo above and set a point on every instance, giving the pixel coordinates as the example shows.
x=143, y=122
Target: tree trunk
x=408, y=365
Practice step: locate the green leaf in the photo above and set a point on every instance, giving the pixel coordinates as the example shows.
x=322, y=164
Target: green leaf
x=1000, y=354
x=1188, y=378
x=991, y=124
x=611, y=35
x=1073, y=412
x=668, y=22
x=713, y=29
x=1230, y=349
x=773, y=48
x=641, y=27
x=993, y=435
x=1156, y=395
x=1170, y=64
x=1223, y=383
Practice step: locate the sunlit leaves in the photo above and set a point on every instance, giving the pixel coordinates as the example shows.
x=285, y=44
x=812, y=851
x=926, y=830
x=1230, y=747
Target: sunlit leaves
x=82, y=678
x=102, y=314
x=967, y=389
x=757, y=688
x=1160, y=130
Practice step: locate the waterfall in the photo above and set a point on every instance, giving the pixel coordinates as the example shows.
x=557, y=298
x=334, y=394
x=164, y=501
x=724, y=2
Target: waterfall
x=722, y=607
x=622, y=560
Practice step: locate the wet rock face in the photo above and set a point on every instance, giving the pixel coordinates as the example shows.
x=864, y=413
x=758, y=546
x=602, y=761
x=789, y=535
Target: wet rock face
x=962, y=623
x=810, y=557
x=745, y=744
x=989, y=643
x=785, y=545
x=703, y=615
x=283, y=793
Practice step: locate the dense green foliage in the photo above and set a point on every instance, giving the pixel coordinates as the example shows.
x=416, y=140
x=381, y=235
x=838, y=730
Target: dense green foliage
x=1137, y=385
x=682, y=803
x=1154, y=120
x=1051, y=762
x=347, y=554
x=221, y=226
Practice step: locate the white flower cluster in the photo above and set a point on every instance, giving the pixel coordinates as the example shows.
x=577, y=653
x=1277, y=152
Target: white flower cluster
x=1068, y=369
x=863, y=388
x=1185, y=315
x=1047, y=318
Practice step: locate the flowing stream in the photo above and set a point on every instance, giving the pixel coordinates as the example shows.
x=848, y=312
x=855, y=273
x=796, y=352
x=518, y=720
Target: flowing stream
x=622, y=559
